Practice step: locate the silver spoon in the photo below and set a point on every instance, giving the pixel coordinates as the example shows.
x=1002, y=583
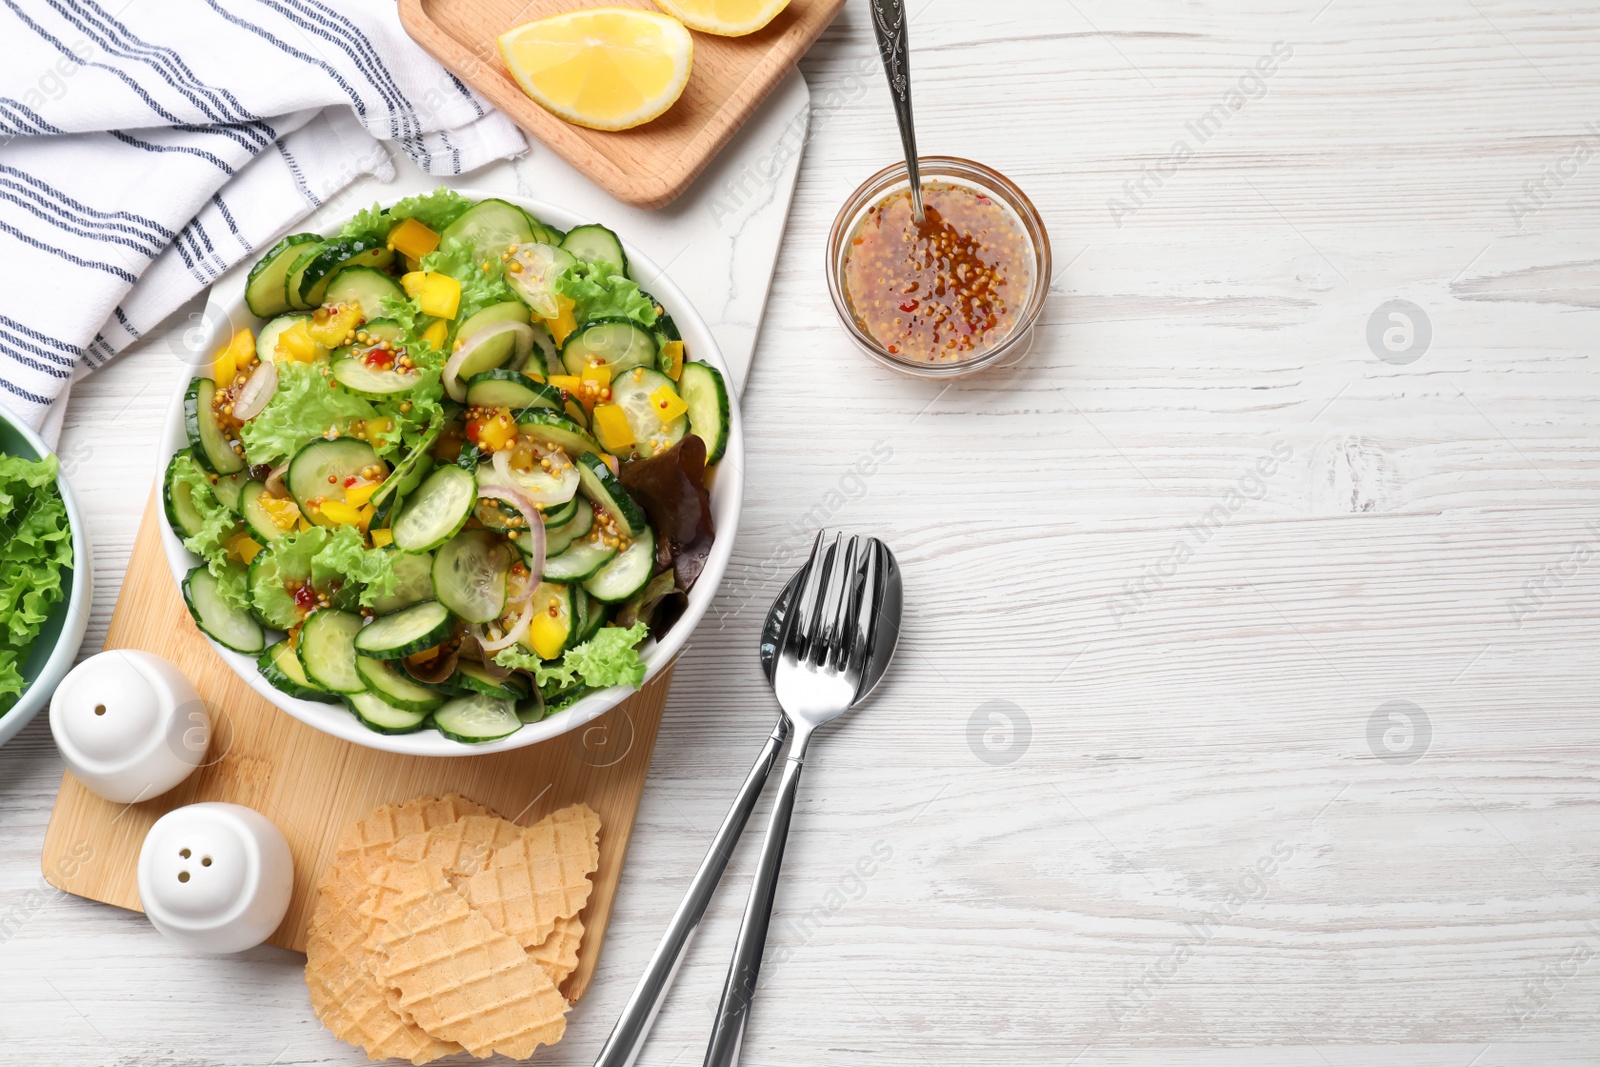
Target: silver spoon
x=889, y=22
x=627, y=1038
x=835, y=625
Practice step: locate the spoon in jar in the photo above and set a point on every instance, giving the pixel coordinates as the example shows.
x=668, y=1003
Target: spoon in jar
x=889, y=22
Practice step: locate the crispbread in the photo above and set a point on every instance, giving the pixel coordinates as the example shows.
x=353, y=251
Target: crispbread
x=458, y=977
x=541, y=877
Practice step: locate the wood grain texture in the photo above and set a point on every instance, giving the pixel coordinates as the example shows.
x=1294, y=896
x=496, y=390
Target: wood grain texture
x=651, y=165
x=313, y=786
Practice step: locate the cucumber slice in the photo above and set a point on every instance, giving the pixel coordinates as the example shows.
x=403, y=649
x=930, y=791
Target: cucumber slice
x=469, y=575
x=594, y=617
x=281, y=668
x=703, y=389
x=267, y=337
x=545, y=358
x=227, y=626
x=394, y=687
x=409, y=472
x=596, y=244
x=291, y=279
x=328, y=652
x=507, y=311
x=380, y=716
x=551, y=487
x=375, y=383
x=229, y=489
x=620, y=344
x=627, y=573
x=531, y=707
x=581, y=560
x=440, y=506
x=319, y=470
x=364, y=287
x=178, y=497
x=415, y=573
x=558, y=538
x=210, y=445
x=491, y=354
x=601, y=486
x=406, y=632
x=545, y=233
x=477, y=718
x=489, y=227
x=631, y=391
x=535, y=282
x=257, y=518
x=475, y=678
x=511, y=389
x=264, y=289
x=498, y=517
x=549, y=430
x=334, y=258
x=560, y=514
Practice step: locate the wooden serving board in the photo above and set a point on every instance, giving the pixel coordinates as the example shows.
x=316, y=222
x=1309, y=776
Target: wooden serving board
x=649, y=165
x=312, y=785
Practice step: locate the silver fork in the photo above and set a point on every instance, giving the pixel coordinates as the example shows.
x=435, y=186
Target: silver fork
x=822, y=655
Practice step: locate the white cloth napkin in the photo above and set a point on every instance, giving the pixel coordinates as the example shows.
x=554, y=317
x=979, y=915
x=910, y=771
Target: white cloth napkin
x=148, y=146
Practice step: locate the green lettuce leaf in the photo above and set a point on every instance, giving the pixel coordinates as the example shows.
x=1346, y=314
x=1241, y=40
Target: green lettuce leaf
x=598, y=292
x=304, y=407
x=217, y=525
x=610, y=657
x=35, y=547
x=479, y=288
x=330, y=559
x=435, y=210
x=345, y=558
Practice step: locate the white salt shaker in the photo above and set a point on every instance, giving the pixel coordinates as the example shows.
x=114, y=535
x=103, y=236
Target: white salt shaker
x=215, y=877
x=129, y=725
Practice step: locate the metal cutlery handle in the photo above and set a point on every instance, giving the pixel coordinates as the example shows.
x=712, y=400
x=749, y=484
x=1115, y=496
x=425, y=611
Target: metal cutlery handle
x=627, y=1037
x=733, y=1014
x=889, y=23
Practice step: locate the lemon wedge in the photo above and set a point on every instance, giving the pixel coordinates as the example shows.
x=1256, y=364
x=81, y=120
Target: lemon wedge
x=725, y=18
x=608, y=68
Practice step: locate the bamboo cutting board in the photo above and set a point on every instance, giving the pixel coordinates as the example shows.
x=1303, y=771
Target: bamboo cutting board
x=650, y=165
x=312, y=785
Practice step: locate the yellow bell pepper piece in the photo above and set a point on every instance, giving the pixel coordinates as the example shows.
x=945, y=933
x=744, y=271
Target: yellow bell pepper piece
x=563, y=324
x=367, y=514
x=296, y=343
x=436, y=293
x=599, y=373
x=380, y=538
x=244, y=546
x=340, y=513
x=672, y=353
x=569, y=382
x=412, y=238
x=667, y=404
x=611, y=425
x=436, y=334
x=285, y=514
x=330, y=330
x=233, y=357
x=357, y=496
x=304, y=525
x=547, y=635
x=377, y=427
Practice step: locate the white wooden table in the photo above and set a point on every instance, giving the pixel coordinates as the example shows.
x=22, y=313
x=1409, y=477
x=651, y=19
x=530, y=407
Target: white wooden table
x=1246, y=709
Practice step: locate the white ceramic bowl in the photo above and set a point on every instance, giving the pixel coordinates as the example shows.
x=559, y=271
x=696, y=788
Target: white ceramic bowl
x=727, y=494
x=57, y=644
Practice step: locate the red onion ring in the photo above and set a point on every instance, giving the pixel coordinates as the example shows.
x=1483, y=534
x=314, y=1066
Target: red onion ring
x=275, y=484
x=530, y=514
x=451, y=377
x=254, y=393
x=513, y=635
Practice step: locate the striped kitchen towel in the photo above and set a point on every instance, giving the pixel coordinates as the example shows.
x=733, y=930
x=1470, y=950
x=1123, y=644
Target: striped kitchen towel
x=146, y=146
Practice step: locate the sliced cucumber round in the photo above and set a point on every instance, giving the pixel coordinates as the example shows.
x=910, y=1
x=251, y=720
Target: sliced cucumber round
x=469, y=575
x=580, y=560
x=291, y=278
x=627, y=573
x=596, y=244
x=703, y=389
x=635, y=393
x=335, y=257
x=475, y=678
x=561, y=514
x=489, y=227
x=620, y=344
x=365, y=287
x=375, y=383
x=281, y=668
x=380, y=716
x=211, y=447
x=415, y=573
x=178, y=498
x=594, y=617
x=549, y=430
x=512, y=389
x=405, y=632
x=505, y=311
x=477, y=718
x=395, y=687
x=558, y=538
x=328, y=652
x=267, y=338
x=264, y=289
x=229, y=489
x=605, y=489
x=440, y=506
x=318, y=473
x=535, y=283
x=257, y=519
x=227, y=626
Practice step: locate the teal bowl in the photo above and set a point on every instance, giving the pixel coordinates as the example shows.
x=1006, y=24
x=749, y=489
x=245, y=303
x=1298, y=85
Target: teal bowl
x=57, y=645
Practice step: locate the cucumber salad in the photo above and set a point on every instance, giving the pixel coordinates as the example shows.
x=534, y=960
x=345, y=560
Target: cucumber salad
x=455, y=476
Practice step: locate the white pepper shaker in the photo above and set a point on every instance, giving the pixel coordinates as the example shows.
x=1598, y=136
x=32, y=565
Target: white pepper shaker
x=215, y=877
x=129, y=725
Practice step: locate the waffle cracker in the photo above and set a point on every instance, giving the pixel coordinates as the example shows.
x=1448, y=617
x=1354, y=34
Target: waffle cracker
x=541, y=877
x=371, y=837
x=462, y=848
x=558, y=953
x=457, y=976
